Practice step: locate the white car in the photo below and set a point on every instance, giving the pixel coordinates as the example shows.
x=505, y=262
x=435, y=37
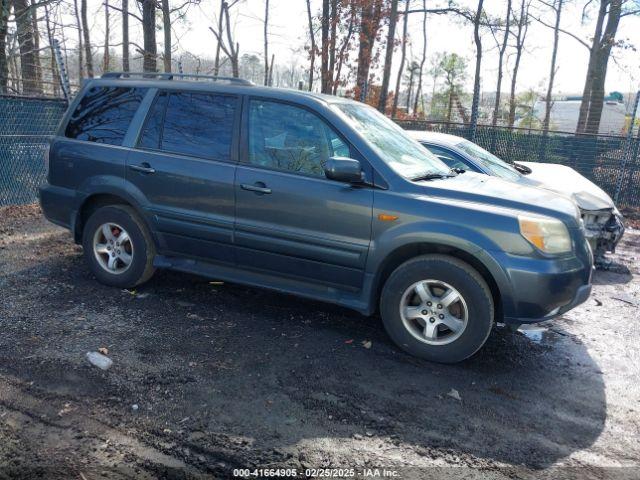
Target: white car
x=604, y=225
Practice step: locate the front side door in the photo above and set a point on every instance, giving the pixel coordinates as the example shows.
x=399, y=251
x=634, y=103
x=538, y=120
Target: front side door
x=290, y=219
x=183, y=164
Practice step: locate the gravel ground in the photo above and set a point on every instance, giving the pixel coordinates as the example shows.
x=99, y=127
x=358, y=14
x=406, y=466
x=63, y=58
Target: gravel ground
x=209, y=377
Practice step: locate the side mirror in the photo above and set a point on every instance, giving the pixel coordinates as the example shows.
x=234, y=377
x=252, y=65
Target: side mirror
x=343, y=169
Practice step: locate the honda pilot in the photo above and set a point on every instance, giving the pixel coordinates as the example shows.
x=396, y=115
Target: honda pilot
x=314, y=195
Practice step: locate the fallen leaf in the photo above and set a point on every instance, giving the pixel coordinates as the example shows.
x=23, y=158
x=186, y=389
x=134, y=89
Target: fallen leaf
x=104, y=350
x=348, y=342
x=216, y=283
x=453, y=393
x=367, y=344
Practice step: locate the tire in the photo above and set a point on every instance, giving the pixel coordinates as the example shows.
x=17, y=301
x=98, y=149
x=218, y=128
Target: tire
x=405, y=288
x=140, y=247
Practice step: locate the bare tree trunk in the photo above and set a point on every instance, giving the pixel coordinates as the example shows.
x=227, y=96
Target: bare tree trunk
x=166, y=30
x=24, y=27
x=424, y=57
x=36, y=43
x=271, y=64
x=149, y=35
x=313, y=45
x=334, y=18
x=87, y=41
x=596, y=102
x=410, y=89
x=4, y=29
x=266, y=42
x=552, y=73
x=388, y=58
x=324, y=48
x=503, y=48
x=234, y=48
x=523, y=23
x=593, y=53
x=343, y=48
x=369, y=25
x=125, y=35
x=105, y=57
x=55, y=78
x=403, y=55
x=76, y=12
x=216, y=63
x=475, y=102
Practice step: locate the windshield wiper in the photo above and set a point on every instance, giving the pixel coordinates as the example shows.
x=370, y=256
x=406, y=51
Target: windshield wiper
x=431, y=176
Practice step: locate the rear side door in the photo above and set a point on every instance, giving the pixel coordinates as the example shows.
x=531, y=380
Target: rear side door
x=184, y=164
x=291, y=220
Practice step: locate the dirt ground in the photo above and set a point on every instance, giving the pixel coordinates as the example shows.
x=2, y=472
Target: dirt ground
x=211, y=377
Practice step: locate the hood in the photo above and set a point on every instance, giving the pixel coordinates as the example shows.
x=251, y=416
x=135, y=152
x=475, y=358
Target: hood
x=566, y=181
x=475, y=187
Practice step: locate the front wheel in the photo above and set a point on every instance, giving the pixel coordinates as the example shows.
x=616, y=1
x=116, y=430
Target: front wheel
x=438, y=308
x=118, y=247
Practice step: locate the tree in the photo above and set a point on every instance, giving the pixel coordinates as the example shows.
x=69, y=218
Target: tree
x=150, y=49
x=266, y=42
x=423, y=59
x=556, y=6
x=76, y=14
x=28, y=64
x=370, y=18
x=599, y=53
x=166, y=30
x=454, y=68
x=324, y=48
x=125, y=35
x=87, y=40
x=4, y=29
x=412, y=69
x=405, y=22
x=312, y=53
x=386, y=74
x=501, y=51
x=105, y=56
x=476, y=79
x=520, y=34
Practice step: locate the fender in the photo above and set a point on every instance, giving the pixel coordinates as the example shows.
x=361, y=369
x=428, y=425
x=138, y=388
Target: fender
x=438, y=235
x=110, y=185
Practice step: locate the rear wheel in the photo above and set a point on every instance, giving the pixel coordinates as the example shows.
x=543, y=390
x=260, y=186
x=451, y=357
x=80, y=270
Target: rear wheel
x=118, y=247
x=438, y=308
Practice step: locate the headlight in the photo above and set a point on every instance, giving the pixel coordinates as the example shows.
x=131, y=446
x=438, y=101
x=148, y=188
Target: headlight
x=547, y=234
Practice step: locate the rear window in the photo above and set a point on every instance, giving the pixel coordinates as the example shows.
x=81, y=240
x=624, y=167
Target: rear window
x=104, y=114
x=188, y=123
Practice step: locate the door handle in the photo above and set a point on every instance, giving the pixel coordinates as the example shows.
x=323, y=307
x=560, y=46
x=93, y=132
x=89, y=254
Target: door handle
x=143, y=168
x=259, y=187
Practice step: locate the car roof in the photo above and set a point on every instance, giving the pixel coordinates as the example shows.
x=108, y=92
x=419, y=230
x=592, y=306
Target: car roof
x=222, y=85
x=435, y=137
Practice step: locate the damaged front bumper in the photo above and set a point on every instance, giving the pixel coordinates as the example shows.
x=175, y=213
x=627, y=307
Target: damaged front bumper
x=603, y=230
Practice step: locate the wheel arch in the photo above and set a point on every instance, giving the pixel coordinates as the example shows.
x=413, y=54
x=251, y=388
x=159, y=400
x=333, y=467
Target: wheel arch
x=406, y=252
x=96, y=200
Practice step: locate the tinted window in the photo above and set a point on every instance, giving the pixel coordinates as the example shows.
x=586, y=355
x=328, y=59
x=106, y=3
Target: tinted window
x=289, y=138
x=104, y=114
x=153, y=126
x=197, y=124
x=447, y=156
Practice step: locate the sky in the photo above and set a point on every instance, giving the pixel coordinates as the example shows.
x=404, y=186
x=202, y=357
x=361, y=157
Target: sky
x=288, y=33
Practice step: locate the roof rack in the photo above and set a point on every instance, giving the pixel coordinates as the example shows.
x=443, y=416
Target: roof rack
x=172, y=76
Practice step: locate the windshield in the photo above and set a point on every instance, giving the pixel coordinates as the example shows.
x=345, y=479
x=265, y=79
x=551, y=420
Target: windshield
x=489, y=160
x=406, y=156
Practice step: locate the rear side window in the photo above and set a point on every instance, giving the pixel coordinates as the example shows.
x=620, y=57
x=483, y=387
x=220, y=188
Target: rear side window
x=189, y=123
x=104, y=114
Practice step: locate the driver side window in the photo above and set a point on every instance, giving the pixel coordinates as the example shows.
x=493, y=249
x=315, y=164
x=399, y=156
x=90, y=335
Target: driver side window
x=285, y=137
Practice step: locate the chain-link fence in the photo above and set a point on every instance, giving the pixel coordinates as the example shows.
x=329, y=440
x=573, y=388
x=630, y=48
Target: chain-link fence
x=26, y=125
x=611, y=162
